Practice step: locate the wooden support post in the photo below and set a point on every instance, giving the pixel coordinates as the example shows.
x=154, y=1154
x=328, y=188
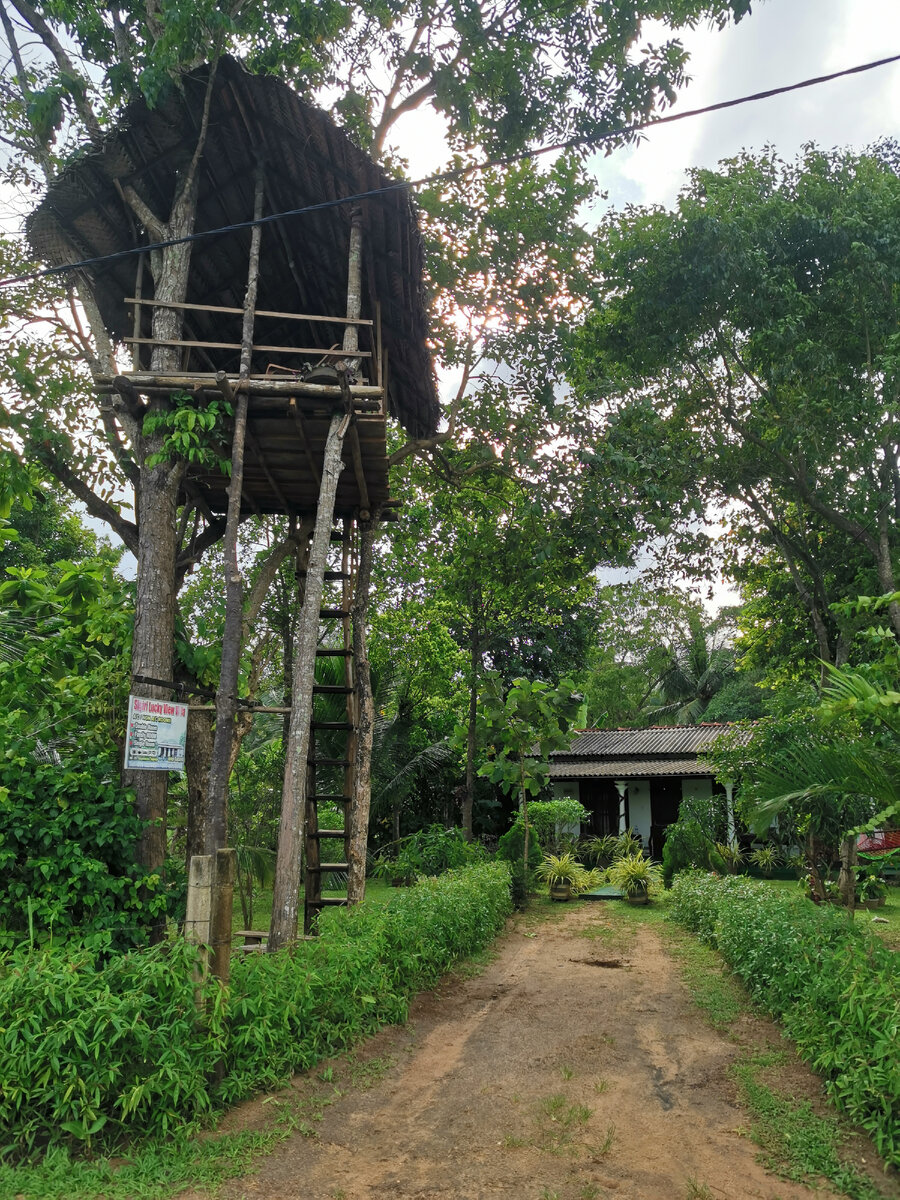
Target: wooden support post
x=222, y=907
x=226, y=696
x=357, y=818
x=197, y=917
x=286, y=893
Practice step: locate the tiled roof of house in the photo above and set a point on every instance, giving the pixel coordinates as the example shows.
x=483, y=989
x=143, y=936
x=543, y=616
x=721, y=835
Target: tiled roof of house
x=635, y=768
x=669, y=740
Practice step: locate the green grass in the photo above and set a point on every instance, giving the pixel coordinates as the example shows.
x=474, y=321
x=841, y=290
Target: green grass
x=376, y=893
x=796, y=1142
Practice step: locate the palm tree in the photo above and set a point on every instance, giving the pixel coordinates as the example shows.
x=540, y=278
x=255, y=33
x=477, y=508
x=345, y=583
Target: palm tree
x=698, y=668
x=841, y=784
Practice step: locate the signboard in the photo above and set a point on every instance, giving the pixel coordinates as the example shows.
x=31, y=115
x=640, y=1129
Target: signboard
x=157, y=730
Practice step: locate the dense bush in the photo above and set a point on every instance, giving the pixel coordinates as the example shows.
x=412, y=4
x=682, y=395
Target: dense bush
x=68, y=834
x=833, y=986
x=91, y=1051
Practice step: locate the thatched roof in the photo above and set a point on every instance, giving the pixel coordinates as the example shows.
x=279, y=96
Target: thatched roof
x=304, y=259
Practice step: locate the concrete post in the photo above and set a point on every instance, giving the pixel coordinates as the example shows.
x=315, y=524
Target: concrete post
x=622, y=788
x=199, y=910
x=729, y=811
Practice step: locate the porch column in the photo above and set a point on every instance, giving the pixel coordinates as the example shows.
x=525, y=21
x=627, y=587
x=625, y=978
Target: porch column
x=622, y=788
x=729, y=812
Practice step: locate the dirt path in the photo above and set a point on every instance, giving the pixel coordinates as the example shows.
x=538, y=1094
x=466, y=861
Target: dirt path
x=574, y=1067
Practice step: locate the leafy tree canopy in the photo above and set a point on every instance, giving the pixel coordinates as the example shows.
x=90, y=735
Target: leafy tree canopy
x=744, y=348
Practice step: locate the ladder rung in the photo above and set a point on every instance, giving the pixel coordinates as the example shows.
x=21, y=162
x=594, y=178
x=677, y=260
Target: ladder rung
x=328, y=762
x=327, y=902
x=327, y=689
x=332, y=799
x=329, y=576
x=347, y=725
x=328, y=867
x=334, y=654
x=334, y=612
x=328, y=833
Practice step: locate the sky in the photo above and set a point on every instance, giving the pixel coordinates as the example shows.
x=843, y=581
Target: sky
x=780, y=42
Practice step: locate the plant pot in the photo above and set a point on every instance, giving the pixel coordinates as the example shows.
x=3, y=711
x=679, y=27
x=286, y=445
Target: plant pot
x=560, y=891
x=637, y=897
x=876, y=902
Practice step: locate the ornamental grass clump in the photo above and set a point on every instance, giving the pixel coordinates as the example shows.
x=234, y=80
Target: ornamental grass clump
x=834, y=987
x=94, y=1051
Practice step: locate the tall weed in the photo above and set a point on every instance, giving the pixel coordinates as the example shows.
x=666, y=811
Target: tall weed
x=834, y=987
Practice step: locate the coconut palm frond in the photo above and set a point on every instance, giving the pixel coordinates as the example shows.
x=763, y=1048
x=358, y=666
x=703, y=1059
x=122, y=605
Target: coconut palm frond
x=258, y=862
x=809, y=771
x=431, y=758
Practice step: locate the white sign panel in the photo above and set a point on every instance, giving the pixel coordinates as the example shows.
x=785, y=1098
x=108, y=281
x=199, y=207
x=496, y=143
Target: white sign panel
x=157, y=731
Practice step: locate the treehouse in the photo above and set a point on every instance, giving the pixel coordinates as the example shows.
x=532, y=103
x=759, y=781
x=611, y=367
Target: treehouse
x=300, y=312
x=291, y=319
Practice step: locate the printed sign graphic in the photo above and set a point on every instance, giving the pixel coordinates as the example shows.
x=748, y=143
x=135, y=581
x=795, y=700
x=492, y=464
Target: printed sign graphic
x=157, y=731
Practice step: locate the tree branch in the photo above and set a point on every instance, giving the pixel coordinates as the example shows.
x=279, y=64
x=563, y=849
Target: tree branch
x=126, y=530
x=43, y=153
x=66, y=67
x=147, y=217
x=214, y=532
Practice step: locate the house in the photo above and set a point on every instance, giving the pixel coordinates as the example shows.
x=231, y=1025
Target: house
x=637, y=778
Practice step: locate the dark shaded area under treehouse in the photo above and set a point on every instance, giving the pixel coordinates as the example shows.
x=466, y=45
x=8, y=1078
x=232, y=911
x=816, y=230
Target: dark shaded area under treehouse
x=300, y=310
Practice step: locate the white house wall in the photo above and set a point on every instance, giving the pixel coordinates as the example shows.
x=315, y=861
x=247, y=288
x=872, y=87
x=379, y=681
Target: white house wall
x=639, y=798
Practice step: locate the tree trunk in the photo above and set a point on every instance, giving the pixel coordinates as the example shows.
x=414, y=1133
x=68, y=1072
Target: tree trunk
x=358, y=815
x=847, y=882
x=468, y=805
x=197, y=757
x=285, y=899
x=156, y=505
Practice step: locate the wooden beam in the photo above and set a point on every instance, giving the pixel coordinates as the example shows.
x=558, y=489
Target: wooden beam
x=192, y=345
x=257, y=385
x=304, y=440
x=260, y=458
x=356, y=455
x=216, y=308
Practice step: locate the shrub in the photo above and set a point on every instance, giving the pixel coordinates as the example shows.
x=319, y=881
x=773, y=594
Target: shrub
x=68, y=834
x=428, y=852
x=92, y=1051
x=833, y=986
x=511, y=849
x=553, y=822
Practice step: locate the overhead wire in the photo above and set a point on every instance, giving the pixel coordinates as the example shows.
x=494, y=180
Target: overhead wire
x=583, y=141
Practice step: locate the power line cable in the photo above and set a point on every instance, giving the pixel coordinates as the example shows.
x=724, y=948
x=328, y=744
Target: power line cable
x=583, y=141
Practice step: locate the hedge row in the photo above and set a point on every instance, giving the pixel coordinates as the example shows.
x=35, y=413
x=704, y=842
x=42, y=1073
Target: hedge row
x=97, y=1051
x=833, y=986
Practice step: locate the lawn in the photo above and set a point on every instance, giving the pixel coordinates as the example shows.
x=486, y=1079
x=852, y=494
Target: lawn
x=376, y=893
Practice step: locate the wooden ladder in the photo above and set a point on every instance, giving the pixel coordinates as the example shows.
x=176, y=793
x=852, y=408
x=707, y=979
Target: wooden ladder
x=316, y=869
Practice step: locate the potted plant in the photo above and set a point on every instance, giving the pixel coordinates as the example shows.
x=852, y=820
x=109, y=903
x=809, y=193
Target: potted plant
x=561, y=873
x=871, y=890
x=636, y=877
